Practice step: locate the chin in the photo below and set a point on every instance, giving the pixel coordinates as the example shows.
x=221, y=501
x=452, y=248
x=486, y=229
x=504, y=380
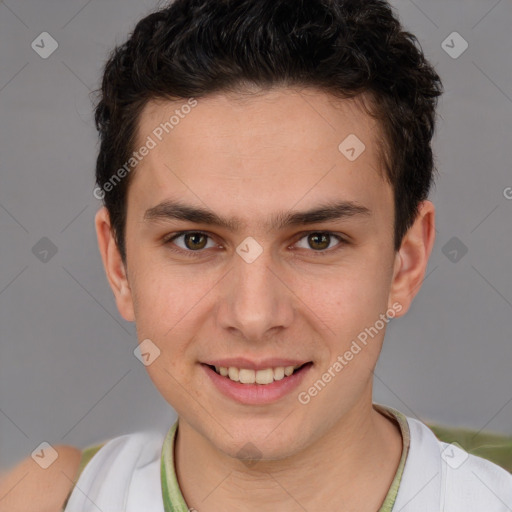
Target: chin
x=260, y=443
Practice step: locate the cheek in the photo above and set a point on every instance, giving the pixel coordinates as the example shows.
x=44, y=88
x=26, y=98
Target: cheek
x=161, y=304
x=165, y=314
x=352, y=296
x=351, y=305
x=169, y=305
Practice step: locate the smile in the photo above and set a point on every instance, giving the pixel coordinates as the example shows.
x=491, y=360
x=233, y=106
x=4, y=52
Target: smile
x=256, y=386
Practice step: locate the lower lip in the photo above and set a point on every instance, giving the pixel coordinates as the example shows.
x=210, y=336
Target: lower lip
x=257, y=394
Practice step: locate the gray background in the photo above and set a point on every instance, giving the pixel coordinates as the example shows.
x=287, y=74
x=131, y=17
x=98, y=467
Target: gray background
x=67, y=370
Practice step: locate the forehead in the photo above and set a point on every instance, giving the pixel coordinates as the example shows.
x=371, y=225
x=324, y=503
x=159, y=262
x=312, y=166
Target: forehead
x=312, y=119
x=259, y=150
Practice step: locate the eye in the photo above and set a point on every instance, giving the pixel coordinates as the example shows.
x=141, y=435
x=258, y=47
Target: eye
x=320, y=241
x=194, y=242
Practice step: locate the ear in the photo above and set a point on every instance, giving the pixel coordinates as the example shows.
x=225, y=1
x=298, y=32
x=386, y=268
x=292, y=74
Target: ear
x=113, y=264
x=412, y=258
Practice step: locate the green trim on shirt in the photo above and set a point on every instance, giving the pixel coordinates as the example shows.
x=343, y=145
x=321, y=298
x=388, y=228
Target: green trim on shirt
x=171, y=492
x=389, y=502
x=173, y=498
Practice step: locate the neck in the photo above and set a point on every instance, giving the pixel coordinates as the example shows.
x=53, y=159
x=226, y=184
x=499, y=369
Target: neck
x=352, y=465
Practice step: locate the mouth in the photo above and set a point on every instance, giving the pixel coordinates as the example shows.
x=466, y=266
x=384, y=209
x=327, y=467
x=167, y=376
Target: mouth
x=251, y=383
x=261, y=377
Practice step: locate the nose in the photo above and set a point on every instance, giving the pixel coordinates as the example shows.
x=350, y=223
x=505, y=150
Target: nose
x=256, y=302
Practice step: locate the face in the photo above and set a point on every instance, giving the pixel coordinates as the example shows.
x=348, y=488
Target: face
x=254, y=285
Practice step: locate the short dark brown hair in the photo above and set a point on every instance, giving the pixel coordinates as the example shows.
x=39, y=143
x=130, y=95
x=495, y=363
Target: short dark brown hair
x=347, y=48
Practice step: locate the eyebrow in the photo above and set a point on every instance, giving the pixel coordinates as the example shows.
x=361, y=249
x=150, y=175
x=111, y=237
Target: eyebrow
x=177, y=210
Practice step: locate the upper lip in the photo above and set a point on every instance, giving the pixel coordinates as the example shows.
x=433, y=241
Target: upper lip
x=242, y=362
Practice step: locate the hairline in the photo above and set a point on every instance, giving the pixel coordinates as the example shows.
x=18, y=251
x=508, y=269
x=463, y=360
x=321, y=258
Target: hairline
x=242, y=92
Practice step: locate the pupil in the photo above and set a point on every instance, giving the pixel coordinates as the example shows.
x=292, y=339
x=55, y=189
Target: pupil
x=194, y=236
x=324, y=236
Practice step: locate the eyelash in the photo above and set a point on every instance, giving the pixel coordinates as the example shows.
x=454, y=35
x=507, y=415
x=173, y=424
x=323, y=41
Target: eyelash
x=199, y=253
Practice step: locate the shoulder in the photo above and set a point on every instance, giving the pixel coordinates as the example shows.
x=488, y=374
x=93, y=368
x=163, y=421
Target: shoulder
x=462, y=479
x=126, y=467
x=479, y=480
x=28, y=486
x=123, y=454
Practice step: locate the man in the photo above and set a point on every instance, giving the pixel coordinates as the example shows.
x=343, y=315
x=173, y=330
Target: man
x=265, y=167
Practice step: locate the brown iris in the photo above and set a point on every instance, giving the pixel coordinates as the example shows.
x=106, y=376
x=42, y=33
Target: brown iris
x=321, y=239
x=195, y=240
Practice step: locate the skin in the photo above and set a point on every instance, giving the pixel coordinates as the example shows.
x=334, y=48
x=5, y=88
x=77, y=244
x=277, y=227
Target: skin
x=249, y=157
x=269, y=152
x=28, y=486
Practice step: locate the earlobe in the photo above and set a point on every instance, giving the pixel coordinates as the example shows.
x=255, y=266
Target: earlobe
x=412, y=258
x=114, y=267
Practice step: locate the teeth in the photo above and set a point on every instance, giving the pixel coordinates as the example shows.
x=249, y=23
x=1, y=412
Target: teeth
x=278, y=373
x=246, y=376
x=288, y=370
x=233, y=373
x=265, y=376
